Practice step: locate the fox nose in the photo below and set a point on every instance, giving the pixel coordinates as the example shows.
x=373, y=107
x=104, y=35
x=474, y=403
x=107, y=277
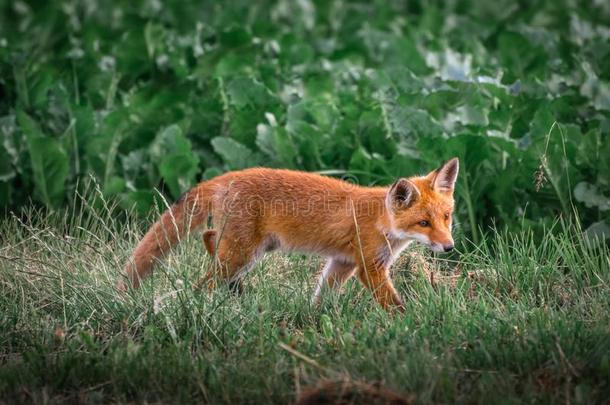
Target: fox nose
x=448, y=248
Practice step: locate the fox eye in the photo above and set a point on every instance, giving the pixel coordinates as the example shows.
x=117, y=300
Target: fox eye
x=446, y=216
x=424, y=223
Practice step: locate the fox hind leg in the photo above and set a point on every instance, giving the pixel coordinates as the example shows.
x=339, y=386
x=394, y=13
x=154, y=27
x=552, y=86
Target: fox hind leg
x=232, y=259
x=209, y=241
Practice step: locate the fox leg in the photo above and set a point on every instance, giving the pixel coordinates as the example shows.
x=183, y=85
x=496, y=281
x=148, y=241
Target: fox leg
x=334, y=274
x=377, y=279
x=209, y=241
x=231, y=260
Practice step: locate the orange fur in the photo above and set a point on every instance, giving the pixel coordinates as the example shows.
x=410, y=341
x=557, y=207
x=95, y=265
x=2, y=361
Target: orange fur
x=360, y=229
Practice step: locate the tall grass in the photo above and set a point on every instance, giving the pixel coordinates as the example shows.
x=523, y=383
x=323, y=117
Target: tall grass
x=513, y=319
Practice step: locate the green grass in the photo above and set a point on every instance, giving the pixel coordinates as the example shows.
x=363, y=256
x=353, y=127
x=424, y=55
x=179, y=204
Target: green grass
x=529, y=324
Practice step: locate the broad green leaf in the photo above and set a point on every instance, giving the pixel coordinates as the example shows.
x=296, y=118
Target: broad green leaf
x=519, y=56
x=542, y=124
x=5, y=194
x=211, y=172
x=589, y=195
x=176, y=160
x=235, y=37
x=597, y=90
x=142, y=200
x=179, y=170
x=320, y=113
x=411, y=123
x=362, y=163
x=234, y=64
x=247, y=92
x=471, y=115
x=277, y=144
x=399, y=78
x=6, y=168
x=114, y=186
x=234, y=154
x=49, y=162
x=599, y=230
x=308, y=139
x=154, y=34
x=40, y=86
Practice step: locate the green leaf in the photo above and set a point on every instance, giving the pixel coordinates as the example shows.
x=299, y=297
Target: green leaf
x=178, y=171
x=247, y=92
x=277, y=144
x=234, y=154
x=154, y=34
x=6, y=169
x=5, y=194
x=472, y=115
x=363, y=163
x=308, y=140
x=412, y=123
x=388, y=49
x=114, y=186
x=598, y=91
x=211, y=172
x=235, y=37
x=234, y=64
x=143, y=201
x=177, y=162
x=599, y=229
x=519, y=56
x=589, y=195
x=542, y=123
x=399, y=78
x=320, y=113
x=49, y=162
x=40, y=86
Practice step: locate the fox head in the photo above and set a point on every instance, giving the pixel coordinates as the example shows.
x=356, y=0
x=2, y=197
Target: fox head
x=421, y=208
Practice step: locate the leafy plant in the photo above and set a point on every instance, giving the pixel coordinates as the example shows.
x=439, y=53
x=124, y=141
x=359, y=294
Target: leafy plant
x=157, y=96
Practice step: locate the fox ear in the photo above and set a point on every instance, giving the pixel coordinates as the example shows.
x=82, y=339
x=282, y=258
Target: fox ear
x=443, y=179
x=402, y=194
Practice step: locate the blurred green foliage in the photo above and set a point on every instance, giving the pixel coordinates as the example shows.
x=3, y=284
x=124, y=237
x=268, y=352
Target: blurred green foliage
x=158, y=95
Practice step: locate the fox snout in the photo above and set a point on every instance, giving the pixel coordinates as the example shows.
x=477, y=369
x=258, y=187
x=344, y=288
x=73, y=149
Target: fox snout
x=446, y=246
x=438, y=237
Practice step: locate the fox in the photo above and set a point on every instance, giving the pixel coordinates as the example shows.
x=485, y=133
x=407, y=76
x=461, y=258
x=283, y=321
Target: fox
x=359, y=230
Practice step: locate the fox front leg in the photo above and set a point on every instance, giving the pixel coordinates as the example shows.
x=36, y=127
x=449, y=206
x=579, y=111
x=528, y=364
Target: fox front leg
x=376, y=278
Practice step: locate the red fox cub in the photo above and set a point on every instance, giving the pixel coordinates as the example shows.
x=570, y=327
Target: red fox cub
x=361, y=230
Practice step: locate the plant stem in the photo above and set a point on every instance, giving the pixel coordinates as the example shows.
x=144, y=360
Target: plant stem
x=471, y=216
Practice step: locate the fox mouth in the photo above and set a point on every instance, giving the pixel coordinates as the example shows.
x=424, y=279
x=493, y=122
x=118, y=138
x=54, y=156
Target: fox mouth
x=440, y=248
x=436, y=247
x=424, y=240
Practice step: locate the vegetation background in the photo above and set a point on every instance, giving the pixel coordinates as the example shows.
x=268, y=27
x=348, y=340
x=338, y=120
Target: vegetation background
x=149, y=95
x=128, y=103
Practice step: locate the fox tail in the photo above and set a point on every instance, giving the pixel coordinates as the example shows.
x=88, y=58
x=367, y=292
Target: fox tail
x=187, y=214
